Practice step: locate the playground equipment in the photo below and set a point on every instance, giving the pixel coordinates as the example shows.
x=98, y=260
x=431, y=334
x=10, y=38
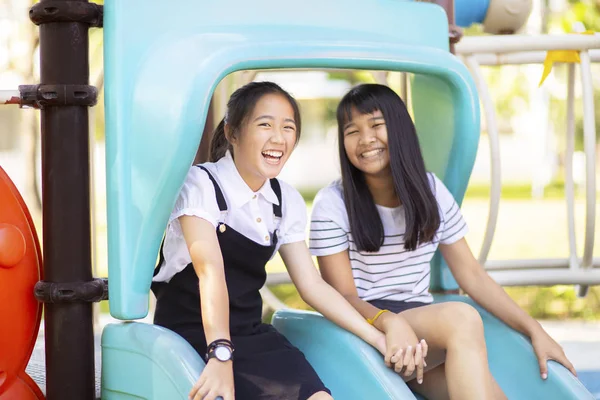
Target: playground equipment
x=159, y=84
x=20, y=269
x=496, y=16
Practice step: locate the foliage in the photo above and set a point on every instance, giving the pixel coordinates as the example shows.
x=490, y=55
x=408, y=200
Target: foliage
x=555, y=303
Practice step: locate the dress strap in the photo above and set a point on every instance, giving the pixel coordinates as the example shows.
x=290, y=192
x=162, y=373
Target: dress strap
x=220, y=198
x=277, y=189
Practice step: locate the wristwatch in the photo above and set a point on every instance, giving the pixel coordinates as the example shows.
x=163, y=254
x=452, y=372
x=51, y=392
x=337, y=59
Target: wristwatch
x=221, y=349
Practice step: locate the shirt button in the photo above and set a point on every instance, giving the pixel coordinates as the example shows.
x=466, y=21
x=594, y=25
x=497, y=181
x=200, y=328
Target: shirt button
x=258, y=220
x=254, y=197
x=266, y=238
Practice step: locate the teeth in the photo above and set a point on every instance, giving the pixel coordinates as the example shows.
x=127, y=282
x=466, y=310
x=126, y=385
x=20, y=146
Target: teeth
x=273, y=153
x=371, y=153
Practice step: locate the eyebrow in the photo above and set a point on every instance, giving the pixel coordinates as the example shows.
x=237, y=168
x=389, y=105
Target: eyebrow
x=273, y=118
x=370, y=119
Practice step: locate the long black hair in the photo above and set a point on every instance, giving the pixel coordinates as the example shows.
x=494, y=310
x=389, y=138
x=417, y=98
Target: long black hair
x=239, y=108
x=411, y=182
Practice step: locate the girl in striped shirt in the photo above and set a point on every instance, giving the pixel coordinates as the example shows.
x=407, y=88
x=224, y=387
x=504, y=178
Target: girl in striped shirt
x=374, y=234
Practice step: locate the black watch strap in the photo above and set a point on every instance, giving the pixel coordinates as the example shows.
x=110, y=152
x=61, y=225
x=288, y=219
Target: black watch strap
x=212, y=347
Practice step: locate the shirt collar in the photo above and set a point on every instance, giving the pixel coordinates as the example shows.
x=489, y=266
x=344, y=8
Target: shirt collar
x=235, y=188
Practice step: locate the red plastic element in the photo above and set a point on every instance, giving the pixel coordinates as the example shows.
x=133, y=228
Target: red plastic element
x=12, y=245
x=20, y=312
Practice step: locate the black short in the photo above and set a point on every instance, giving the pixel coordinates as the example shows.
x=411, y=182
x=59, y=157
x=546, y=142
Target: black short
x=396, y=306
x=267, y=366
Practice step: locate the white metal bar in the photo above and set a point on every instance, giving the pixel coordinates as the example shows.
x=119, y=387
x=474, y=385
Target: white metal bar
x=589, y=144
x=532, y=272
x=545, y=277
x=10, y=97
x=249, y=76
x=277, y=278
x=271, y=300
x=589, y=147
x=515, y=43
x=492, y=129
x=404, y=87
x=380, y=77
x=569, y=151
x=534, y=263
x=519, y=58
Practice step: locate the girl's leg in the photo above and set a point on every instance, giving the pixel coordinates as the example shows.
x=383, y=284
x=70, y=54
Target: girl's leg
x=320, y=396
x=435, y=387
x=457, y=329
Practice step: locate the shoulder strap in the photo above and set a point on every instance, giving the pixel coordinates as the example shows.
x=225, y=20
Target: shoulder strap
x=222, y=206
x=220, y=198
x=161, y=257
x=277, y=189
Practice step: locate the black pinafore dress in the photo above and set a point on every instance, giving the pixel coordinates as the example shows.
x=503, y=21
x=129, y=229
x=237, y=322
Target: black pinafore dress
x=266, y=365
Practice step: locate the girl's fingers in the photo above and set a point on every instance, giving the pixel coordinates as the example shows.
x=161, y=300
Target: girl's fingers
x=397, y=356
x=419, y=363
x=425, y=347
x=398, y=363
x=566, y=363
x=388, y=357
x=543, y=361
x=409, y=361
x=196, y=387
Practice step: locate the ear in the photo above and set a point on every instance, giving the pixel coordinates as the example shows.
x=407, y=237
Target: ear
x=229, y=134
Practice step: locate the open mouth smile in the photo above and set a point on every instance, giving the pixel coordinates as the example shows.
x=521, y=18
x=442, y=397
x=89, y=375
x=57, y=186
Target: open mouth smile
x=272, y=156
x=371, y=153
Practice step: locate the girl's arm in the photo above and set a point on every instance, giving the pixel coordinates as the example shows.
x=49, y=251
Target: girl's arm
x=474, y=280
x=337, y=271
x=335, y=307
x=203, y=245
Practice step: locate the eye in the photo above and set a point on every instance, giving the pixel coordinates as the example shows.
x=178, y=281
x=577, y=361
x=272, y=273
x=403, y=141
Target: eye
x=265, y=124
x=293, y=128
x=348, y=133
x=379, y=124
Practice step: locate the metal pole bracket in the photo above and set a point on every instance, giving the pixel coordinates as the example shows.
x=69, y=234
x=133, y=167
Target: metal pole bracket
x=69, y=292
x=40, y=96
x=67, y=11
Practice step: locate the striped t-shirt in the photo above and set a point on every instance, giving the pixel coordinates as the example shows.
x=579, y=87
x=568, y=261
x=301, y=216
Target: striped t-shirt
x=392, y=273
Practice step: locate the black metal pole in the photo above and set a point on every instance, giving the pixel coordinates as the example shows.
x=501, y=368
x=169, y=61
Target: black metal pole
x=66, y=211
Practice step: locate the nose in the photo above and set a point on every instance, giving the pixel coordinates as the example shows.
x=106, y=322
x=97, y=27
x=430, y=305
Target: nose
x=277, y=136
x=367, y=137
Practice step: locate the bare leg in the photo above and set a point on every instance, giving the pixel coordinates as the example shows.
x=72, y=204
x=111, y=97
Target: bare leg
x=457, y=329
x=320, y=396
x=435, y=387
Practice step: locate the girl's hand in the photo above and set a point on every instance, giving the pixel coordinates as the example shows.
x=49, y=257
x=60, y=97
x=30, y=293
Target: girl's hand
x=547, y=349
x=216, y=380
x=403, y=349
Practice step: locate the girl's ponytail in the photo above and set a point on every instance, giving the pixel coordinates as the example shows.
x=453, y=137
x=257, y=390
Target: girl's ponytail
x=219, y=143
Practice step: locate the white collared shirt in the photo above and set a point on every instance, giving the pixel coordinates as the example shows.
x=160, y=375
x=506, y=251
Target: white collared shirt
x=249, y=213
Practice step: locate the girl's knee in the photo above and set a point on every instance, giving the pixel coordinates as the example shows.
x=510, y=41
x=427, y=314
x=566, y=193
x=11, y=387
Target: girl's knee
x=321, y=396
x=465, y=321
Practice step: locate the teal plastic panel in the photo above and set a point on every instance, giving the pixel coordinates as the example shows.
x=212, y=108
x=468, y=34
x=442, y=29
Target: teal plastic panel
x=142, y=361
x=515, y=367
x=349, y=367
x=162, y=63
x=449, y=148
x=354, y=370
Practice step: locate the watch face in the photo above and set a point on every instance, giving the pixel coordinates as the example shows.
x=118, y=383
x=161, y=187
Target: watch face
x=223, y=353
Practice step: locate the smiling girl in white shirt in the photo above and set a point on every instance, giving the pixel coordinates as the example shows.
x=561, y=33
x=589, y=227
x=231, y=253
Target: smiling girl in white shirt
x=232, y=215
